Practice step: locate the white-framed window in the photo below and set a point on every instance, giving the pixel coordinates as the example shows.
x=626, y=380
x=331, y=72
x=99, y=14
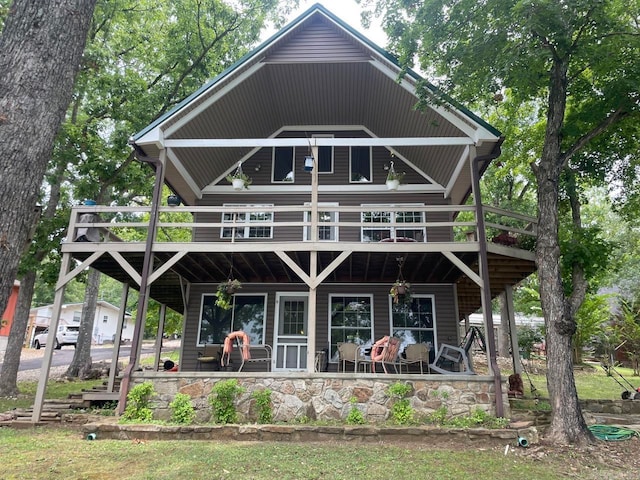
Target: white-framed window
x=382, y=225
x=414, y=322
x=247, y=313
x=105, y=318
x=325, y=154
x=350, y=320
x=283, y=164
x=326, y=233
x=360, y=165
x=77, y=316
x=247, y=224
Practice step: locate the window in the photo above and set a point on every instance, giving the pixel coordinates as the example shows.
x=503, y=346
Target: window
x=414, y=322
x=283, y=164
x=360, y=165
x=247, y=313
x=392, y=224
x=326, y=233
x=105, y=319
x=325, y=155
x=76, y=316
x=351, y=320
x=293, y=319
x=247, y=224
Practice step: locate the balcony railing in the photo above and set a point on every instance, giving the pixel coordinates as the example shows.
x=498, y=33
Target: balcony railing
x=293, y=223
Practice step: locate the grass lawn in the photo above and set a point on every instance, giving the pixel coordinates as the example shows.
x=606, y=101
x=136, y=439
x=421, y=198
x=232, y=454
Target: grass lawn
x=58, y=453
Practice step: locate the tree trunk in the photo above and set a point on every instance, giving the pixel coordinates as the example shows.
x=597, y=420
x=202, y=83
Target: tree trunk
x=11, y=363
x=567, y=423
x=81, y=363
x=40, y=51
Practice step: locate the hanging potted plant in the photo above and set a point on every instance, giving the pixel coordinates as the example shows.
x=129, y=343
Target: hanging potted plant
x=225, y=293
x=401, y=292
x=394, y=178
x=239, y=179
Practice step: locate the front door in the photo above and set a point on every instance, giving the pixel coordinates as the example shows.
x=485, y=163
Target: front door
x=290, y=343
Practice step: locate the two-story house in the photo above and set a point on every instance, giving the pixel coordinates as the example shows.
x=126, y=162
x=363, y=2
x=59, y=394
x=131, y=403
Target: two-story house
x=317, y=117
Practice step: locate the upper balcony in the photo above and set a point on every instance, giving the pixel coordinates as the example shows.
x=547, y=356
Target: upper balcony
x=272, y=243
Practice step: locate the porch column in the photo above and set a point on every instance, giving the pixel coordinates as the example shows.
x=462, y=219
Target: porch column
x=147, y=270
x=115, y=354
x=513, y=330
x=485, y=289
x=45, y=368
x=161, y=318
x=313, y=266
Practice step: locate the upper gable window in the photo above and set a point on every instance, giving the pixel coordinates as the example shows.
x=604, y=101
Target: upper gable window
x=325, y=155
x=283, y=164
x=360, y=165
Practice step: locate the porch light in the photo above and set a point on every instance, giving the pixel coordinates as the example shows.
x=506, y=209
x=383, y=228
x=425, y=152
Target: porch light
x=308, y=163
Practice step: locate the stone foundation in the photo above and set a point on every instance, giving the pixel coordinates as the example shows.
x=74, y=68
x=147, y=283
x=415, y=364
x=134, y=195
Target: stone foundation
x=327, y=396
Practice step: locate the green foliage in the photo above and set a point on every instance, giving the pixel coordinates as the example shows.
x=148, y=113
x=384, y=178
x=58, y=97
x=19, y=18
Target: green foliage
x=222, y=400
x=591, y=320
x=138, y=403
x=527, y=337
x=402, y=412
x=225, y=293
x=626, y=327
x=263, y=402
x=478, y=418
x=182, y=411
x=355, y=416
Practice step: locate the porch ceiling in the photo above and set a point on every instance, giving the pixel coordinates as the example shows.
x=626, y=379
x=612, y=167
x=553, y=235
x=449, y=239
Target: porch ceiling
x=360, y=267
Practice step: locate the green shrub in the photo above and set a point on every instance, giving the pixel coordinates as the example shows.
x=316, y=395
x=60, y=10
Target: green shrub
x=263, y=401
x=438, y=416
x=402, y=412
x=355, y=416
x=223, y=400
x=138, y=403
x=182, y=411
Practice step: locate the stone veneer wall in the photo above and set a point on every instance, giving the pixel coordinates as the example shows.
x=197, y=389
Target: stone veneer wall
x=327, y=396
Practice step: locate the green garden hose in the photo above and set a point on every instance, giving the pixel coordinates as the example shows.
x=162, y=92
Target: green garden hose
x=612, y=434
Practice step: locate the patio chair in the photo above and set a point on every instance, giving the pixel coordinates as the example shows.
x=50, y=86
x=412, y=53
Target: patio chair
x=416, y=353
x=347, y=353
x=451, y=361
x=241, y=339
x=209, y=356
x=385, y=351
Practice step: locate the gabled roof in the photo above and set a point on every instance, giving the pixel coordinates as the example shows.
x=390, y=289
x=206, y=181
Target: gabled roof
x=313, y=75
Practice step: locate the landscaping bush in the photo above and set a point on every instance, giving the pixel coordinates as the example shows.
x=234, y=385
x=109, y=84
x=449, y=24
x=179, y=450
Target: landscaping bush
x=139, y=403
x=223, y=400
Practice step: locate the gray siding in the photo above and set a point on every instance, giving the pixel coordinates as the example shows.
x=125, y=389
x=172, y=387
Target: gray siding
x=318, y=42
x=445, y=314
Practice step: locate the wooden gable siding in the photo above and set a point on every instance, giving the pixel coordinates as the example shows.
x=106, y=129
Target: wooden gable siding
x=346, y=234
x=318, y=42
x=445, y=313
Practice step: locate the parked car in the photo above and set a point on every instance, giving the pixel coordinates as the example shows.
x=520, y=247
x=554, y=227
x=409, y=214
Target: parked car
x=67, y=335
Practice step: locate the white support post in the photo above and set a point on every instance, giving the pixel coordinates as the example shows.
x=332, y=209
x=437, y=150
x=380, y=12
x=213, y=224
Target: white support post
x=161, y=318
x=115, y=354
x=45, y=368
x=313, y=267
x=513, y=331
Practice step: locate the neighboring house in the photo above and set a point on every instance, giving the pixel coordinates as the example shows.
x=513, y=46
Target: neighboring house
x=7, y=318
x=317, y=116
x=105, y=321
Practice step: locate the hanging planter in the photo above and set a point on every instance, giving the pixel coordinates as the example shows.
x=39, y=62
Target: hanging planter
x=401, y=292
x=238, y=179
x=225, y=293
x=394, y=178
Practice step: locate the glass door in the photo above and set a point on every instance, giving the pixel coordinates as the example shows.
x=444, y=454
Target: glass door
x=290, y=349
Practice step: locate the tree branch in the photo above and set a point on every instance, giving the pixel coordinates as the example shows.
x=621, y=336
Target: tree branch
x=615, y=117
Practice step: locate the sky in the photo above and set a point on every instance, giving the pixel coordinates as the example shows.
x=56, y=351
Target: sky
x=346, y=10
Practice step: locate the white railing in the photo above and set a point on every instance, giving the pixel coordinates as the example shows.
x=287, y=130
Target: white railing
x=177, y=224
